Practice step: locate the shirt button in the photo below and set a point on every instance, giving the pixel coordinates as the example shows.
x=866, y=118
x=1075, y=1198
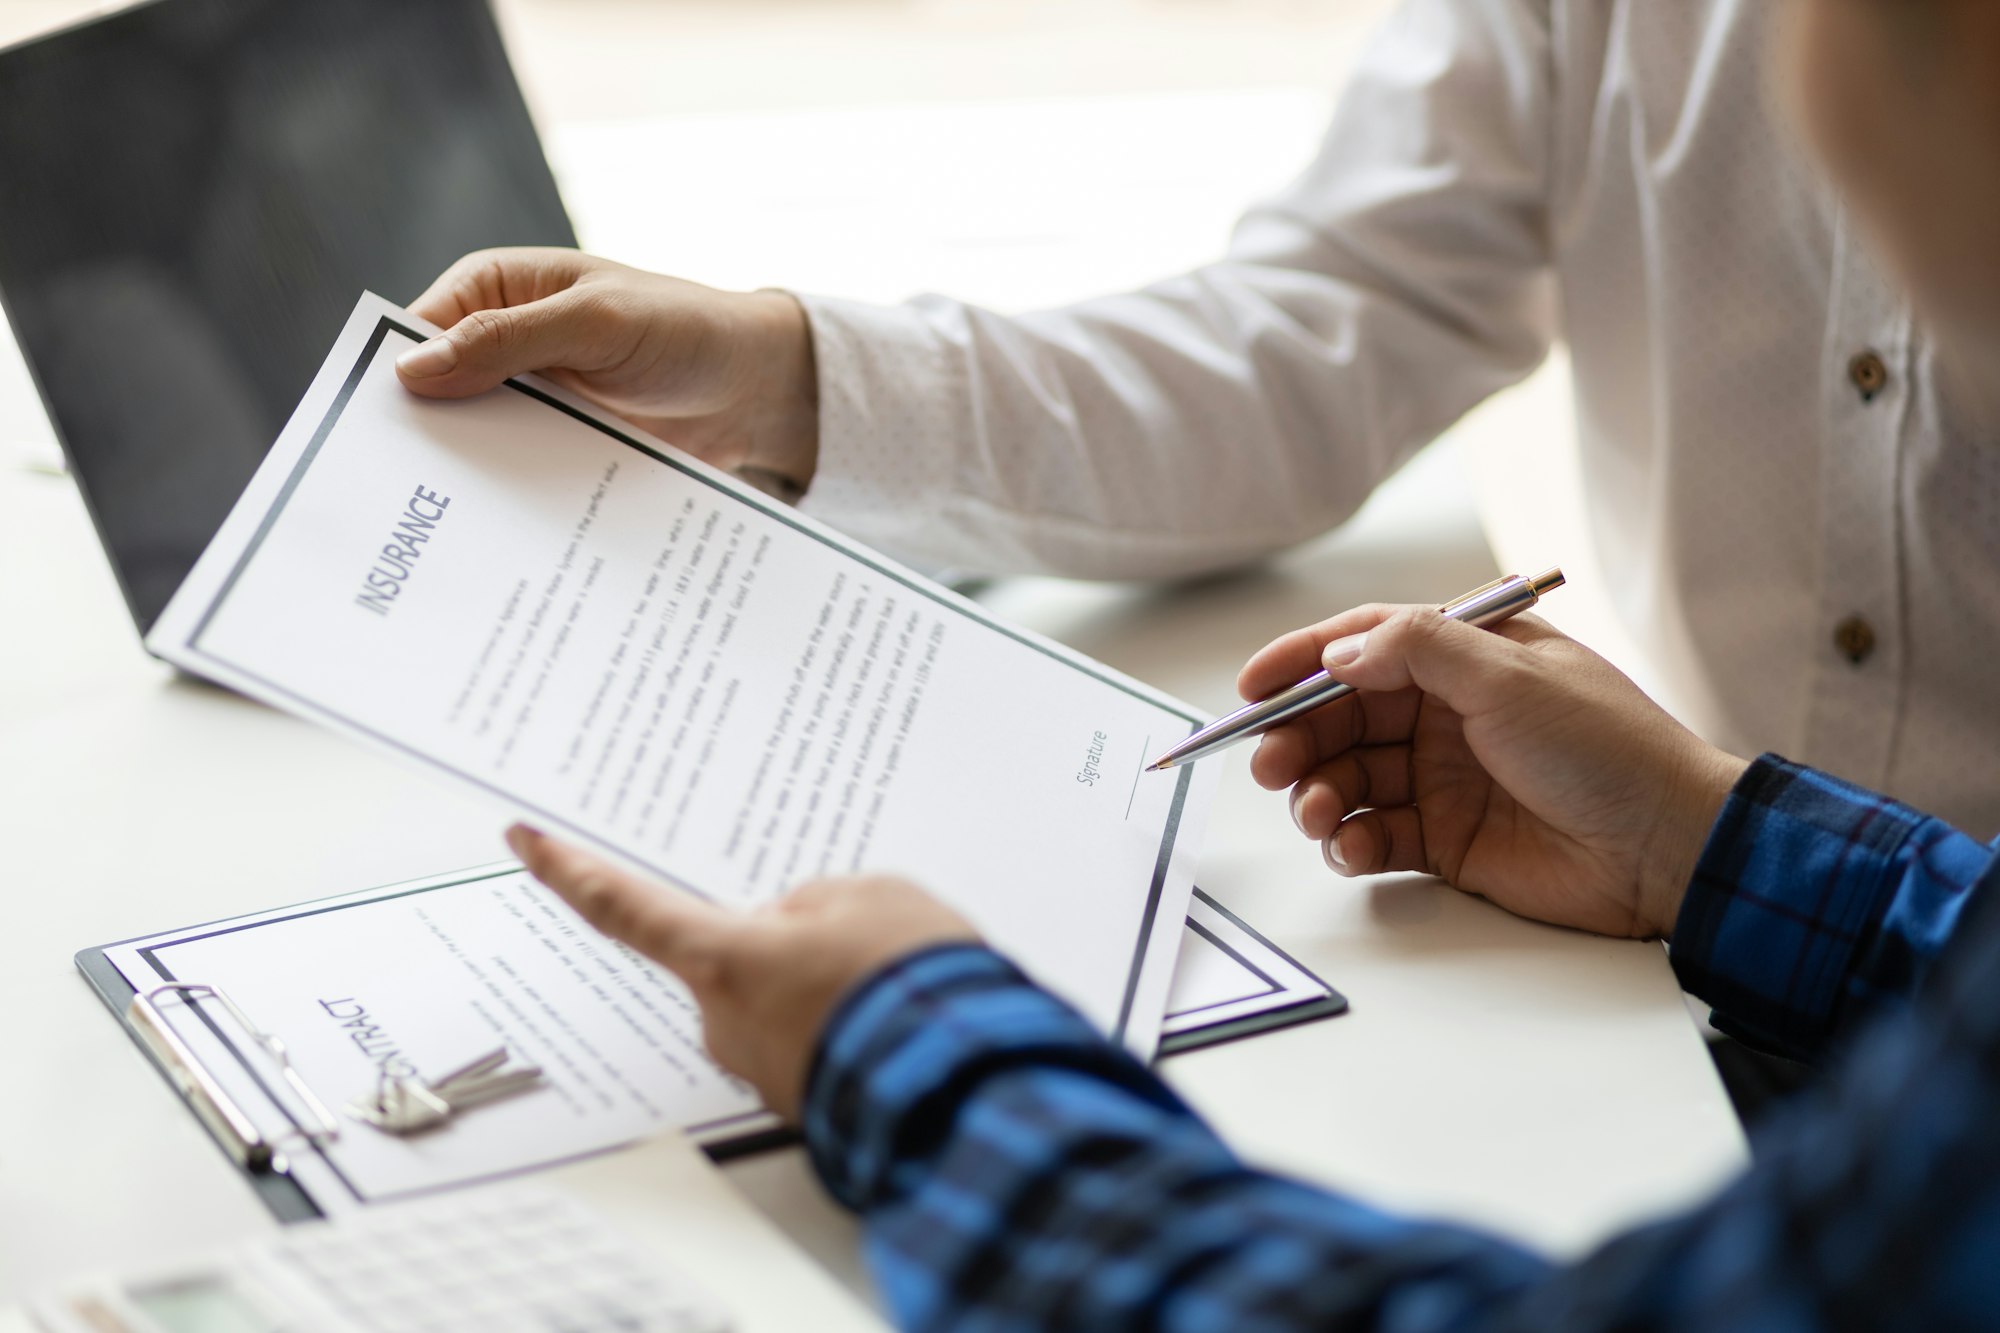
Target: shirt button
x=1855, y=638
x=1869, y=373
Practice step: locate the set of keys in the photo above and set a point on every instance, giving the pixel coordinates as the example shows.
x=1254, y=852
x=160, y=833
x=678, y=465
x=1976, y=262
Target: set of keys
x=405, y=1105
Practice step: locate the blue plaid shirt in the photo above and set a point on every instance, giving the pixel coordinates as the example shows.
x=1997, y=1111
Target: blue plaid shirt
x=1016, y=1172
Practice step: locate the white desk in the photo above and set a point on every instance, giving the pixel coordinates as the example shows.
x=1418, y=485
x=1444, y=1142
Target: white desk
x=1544, y=1082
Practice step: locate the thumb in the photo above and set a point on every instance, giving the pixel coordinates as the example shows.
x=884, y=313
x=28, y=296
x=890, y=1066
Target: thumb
x=1468, y=669
x=487, y=347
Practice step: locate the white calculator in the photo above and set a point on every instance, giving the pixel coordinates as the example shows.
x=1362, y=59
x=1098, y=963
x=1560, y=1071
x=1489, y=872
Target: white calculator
x=508, y=1261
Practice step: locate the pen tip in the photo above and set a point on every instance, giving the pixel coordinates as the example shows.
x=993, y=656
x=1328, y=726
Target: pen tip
x=1159, y=764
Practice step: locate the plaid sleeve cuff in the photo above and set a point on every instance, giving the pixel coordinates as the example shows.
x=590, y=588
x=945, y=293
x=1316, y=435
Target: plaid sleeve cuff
x=1783, y=923
x=909, y=1041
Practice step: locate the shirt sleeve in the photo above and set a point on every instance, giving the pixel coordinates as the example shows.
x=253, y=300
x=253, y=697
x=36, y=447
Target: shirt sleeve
x=1249, y=404
x=1015, y=1172
x=1815, y=903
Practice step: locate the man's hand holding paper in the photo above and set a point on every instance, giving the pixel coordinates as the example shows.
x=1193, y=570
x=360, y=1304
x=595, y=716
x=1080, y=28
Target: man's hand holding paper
x=727, y=376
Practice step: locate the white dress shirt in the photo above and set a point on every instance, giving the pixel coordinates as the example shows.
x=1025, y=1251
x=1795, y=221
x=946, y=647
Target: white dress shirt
x=1800, y=527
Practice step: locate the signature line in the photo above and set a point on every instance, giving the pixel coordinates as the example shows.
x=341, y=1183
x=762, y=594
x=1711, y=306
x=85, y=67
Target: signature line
x=1144, y=749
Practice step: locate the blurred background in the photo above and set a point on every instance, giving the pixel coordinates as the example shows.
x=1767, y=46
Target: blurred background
x=673, y=125
x=608, y=59
x=1017, y=153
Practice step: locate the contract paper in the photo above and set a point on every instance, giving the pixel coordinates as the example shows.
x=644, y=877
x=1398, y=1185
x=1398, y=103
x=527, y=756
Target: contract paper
x=414, y=979
x=417, y=979
x=628, y=648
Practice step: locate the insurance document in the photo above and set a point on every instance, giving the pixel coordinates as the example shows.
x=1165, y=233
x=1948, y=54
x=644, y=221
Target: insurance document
x=631, y=649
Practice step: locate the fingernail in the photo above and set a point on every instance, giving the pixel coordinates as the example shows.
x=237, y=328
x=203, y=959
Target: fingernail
x=1298, y=794
x=429, y=359
x=1342, y=652
x=520, y=838
x=1334, y=860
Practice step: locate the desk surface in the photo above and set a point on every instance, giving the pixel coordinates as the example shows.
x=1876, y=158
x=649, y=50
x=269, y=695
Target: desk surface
x=1540, y=1081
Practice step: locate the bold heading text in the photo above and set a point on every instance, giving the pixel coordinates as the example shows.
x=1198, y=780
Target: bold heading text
x=383, y=583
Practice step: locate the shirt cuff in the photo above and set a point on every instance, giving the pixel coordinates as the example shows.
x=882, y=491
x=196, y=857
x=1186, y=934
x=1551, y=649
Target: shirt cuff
x=891, y=399
x=911, y=1039
x=1790, y=889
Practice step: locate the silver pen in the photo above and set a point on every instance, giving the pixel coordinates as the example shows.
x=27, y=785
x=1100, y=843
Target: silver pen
x=1485, y=607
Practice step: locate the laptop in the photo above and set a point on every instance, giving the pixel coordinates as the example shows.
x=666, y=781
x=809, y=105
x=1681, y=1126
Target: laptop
x=193, y=193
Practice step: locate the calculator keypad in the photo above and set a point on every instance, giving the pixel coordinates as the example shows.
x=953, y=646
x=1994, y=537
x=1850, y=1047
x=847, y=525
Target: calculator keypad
x=518, y=1263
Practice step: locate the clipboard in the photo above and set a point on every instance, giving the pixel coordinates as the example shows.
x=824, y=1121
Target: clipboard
x=1290, y=992
x=1274, y=992
x=234, y=1133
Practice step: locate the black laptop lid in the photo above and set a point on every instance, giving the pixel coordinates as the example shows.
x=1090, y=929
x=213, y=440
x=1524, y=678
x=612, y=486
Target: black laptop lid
x=192, y=195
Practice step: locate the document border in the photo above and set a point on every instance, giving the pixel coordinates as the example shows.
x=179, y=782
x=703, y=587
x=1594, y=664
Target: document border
x=1328, y=1004
x=386, y=325
x=1271, y=986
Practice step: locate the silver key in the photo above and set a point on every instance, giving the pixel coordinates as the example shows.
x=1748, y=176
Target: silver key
x=404, y=1105
x=400, y=1106
x=488, y=1087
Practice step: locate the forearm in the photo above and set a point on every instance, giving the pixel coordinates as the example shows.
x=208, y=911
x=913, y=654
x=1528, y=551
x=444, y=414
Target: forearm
x=1135, y=436
x=1016, y=1171
x=1251, y=403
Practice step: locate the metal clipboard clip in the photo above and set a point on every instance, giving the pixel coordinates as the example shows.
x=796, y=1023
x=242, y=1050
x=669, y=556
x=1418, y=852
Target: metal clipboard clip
x=251, y=1147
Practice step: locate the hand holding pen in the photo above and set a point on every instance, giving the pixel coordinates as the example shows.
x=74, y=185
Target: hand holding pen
x=1486, y=606
x=1513, y=762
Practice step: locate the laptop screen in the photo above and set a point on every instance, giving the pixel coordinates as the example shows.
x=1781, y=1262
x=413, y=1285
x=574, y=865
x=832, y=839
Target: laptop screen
x=193, y=193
